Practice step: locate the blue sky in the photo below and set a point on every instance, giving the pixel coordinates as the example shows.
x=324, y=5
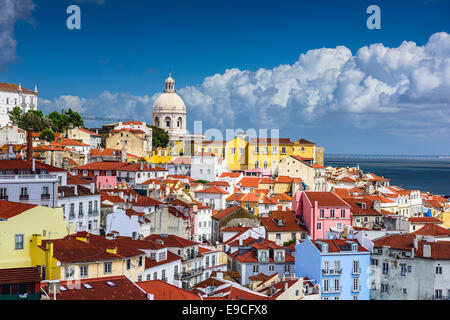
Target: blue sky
x=116, y=65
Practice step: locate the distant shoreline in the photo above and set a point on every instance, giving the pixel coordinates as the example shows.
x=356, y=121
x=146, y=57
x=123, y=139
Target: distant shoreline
x=387, y=157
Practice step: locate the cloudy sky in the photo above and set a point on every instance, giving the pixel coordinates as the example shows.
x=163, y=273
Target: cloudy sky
x=312, y=69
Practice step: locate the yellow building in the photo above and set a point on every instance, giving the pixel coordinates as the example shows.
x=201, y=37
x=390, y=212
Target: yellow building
x=75, y=258
x=160, y=155
x=18, y=223
x=133, y=141
x=216, y=147
x=266, y=153
x=236, y=154
x=445, y=217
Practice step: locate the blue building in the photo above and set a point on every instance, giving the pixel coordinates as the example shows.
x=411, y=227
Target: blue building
x=341, y=266
x=255, y=256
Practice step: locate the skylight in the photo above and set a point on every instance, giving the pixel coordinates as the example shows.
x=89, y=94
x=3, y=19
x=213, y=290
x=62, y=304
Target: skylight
x=87, y=286
x=111, y=284
x=62, y=288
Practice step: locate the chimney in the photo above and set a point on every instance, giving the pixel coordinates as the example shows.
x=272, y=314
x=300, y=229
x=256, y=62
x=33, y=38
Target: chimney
x=75, y=190
x=54, y=287
x=34, y=165
x=29, y=145
x=240, y=242
x=426, y=251
x=285, y=286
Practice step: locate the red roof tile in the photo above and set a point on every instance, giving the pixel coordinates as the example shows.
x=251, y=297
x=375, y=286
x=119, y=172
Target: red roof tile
x=9, y=209
x=164, y=291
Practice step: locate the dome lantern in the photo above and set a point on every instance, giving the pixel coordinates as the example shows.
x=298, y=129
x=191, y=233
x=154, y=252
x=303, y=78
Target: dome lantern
x=170, y=84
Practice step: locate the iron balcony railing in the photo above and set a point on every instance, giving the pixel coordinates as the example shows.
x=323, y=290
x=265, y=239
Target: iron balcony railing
x=3, y=197
x=332, y=271
x=191, y=273
x=435, y=297
x=358, y=289
x=45, y=196
x=24, y=197
x=26, y=176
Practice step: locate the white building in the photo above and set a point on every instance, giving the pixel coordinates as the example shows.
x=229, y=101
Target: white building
x=81, y=207
x=411, y=267
x=30, y=182
x=12, y=95
x=12, y=135
x=203, y=224
x=213, y=197
x=169, y=114
x=205, y=166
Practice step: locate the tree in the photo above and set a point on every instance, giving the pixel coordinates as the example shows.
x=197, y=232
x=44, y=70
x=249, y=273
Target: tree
x=47, y=135
x=160, y=137
x=62, y=121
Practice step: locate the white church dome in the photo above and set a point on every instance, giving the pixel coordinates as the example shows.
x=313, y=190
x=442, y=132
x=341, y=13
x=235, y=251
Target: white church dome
x=169, y=101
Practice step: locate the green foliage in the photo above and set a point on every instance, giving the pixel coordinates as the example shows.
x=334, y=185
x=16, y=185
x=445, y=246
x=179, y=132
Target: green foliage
x=62, y=121
x=201, y=181
x=160, y=137
x=47, y=135
x=32, y=120
x=288, y=243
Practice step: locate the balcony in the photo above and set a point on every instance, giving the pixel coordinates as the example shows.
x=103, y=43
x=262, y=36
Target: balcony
x=92, y=213
x=24, y=197
x=191, y=273
x=176, y=276
x=3, y=197
x=45, y=196
x=27, y=176
x=331, y=272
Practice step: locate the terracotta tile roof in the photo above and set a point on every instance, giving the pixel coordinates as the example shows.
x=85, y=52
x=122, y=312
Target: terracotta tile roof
x=18, y=164
x=111, y=198
x=181, y=160
x=19, y=275
x=281, y=197
x=69, y=191
x=9, y=209
x=397, y=241
x=240, y=293
x=440, y=250
x=121, y=289
x=76, y=180
x=289, y=222
x=301, y=159
x=143, y=201
x=304, y=141
x=164, y=291
x=334, y=244
x=237, y=196
x=342, y=192
x=249, y=182
x=105, y=152
x=230, y=174
x=262, y=277
x=226, y=212
x=89, y=132
x=218, y=183
x=425, y=220
x=172, y=241
x=13, y=88
x=357, y=209
x=284, y=179
x=325, y=199
x=264, y=141
x=432, y=229
x=212, y=189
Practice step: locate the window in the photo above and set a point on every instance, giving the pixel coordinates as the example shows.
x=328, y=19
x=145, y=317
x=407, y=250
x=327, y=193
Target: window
x=266, y=165
x=339, y=226
x=213, y=260
x=45, y=190
x=283, y=150
x=297, y=292
x=69, y=272
x=326, y=285
x=207, y=262
x=438, y=269
x=374, y=262
x=3, y=193
x=83, y=271
x=163, y=275
x=404, y=290
x=342, y=213
x=162, y=256
x=107, y=267
x=337, y=266
x=384, y=288
x=438, y=293
x=278, y=236
x=356, y=284
x=337, y=285
x=233, y=150
x=271, y=267
x=403, y=269
x=385, y=267
x=256, y=164
x=409, y=268
x=355, y=297
x=139, y=277
x=355, y=266
x=242, y=151
x=18, y=242
x=274, y=150
x=255, y=268
x=332, y=213
x=256, y=149
x=155, y=275
x=80, y=209
x=326, y=266
x=319, y=226
x=322, y=213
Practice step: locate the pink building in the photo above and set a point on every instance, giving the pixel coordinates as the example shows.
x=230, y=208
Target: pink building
x=105, y=182
x=324, y=213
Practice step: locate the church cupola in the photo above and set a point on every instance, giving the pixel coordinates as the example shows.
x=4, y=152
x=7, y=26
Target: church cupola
x=170, y=85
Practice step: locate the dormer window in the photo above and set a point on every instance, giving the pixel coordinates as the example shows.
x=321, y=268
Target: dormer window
x=354, y=247
x=324, y=247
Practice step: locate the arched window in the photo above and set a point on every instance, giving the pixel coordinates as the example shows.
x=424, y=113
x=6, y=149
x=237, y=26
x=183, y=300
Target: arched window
x=157, y=121
x=265, y=165
x=256, y=164
x=167, y=122
x=179, y=122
